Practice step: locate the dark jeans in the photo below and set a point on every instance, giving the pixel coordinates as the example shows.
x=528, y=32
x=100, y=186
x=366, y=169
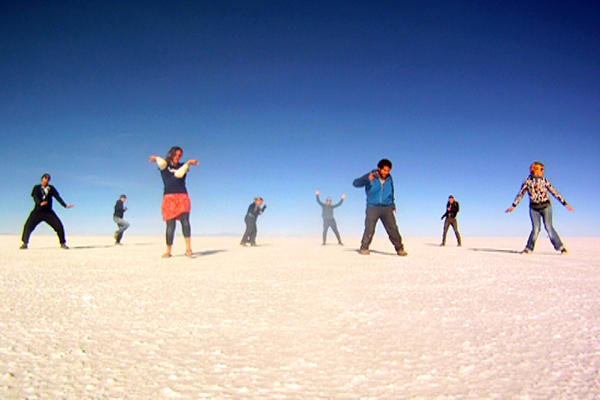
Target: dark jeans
x=48, y=217
x=185, y=226
x=251, y=231
x=454, y=223
x=330, y=223
x=386, y=215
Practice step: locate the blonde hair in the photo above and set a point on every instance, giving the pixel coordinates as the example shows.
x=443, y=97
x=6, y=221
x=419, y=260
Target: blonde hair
x=535, y=166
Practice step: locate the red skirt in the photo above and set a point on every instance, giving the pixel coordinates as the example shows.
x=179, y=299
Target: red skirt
x=175, y=204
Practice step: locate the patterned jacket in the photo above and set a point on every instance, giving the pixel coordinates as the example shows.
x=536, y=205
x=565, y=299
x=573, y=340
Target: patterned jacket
x=538, y=188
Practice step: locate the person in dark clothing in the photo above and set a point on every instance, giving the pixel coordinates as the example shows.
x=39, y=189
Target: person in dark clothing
x=42, y=196
x=452, y=209
x=118, y=218
x=176, y=203
x=254, y=210
x=328, y=220
x=379, y=188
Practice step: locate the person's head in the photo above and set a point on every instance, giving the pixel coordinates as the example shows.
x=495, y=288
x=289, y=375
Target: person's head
x=174, y=155
x=451, y=199
x=123, y=198
x=384, y=166
x=328, y=201
x=537, y=168
x=45, y=179
x=258, y=201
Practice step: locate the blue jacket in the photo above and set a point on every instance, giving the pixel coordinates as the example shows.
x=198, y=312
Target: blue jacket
x=378, y=194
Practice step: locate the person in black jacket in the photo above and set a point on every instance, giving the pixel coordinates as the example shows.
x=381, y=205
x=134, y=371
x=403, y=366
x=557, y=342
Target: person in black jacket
x=42, y=196
x=452, y=209
x=254, y=210
x=118, y=218
x=328, y=220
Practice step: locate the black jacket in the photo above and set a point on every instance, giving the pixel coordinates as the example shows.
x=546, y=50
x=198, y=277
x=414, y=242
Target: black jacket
x=254, y=210
x=41, y=194
x=119, y=209
x=451, y=210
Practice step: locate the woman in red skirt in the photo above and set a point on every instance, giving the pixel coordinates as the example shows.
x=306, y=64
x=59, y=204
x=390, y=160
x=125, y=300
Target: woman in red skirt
x=176, y=202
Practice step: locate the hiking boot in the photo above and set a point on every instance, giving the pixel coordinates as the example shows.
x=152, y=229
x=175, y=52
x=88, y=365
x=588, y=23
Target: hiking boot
x=402, y=253
x=364, y=252
x=23, y=246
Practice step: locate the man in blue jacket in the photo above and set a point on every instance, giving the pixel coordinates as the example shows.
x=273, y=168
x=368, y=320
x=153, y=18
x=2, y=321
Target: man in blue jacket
x=379, y=188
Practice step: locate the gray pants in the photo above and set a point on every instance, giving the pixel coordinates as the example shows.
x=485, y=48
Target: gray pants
x=330, y=223
x=454, y=223
x=122, y=225
x=386, y=215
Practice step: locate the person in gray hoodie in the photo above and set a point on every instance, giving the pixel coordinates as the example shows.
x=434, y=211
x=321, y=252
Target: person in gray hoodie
x=328, y=220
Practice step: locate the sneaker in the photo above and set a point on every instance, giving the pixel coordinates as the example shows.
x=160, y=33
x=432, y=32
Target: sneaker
x=563, y=251
x=442, y=244
x=116, y=235
x=525, y=251
x=23, y=246
x=64, y=246
x=340, y=243
x=402, y=253
x=364, y=252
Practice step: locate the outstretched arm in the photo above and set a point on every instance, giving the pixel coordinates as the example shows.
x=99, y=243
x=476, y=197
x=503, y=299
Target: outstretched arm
x=558, y=196
x=518, y=198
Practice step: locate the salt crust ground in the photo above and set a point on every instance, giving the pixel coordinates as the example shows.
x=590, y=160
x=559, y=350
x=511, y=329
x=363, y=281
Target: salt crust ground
x=291, y=319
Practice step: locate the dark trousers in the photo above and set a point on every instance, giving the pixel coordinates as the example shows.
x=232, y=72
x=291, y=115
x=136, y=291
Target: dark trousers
x=454, y=223
x=185, y=226
x=330, y=223
x=251, y=230
x=386, y=215
x=48, y=217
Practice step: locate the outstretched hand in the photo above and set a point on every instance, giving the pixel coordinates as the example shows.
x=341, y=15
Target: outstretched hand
x=153, y=158
x=344, y=196
x=192, y=162
x=69, y=206
x=569, y=208
x=371, y=176
x=509, y=209
x=317, y=192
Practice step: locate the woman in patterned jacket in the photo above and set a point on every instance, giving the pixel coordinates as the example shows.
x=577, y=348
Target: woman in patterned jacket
x=540, y=207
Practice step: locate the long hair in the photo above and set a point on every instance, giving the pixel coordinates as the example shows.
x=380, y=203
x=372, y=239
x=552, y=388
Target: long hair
x=172, y=152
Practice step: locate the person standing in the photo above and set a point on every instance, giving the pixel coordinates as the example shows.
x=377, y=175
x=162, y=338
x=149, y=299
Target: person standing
x=176, y=203
x=42, y=197
x=379, y=188
x=328, y=220
x=118, y=218
x=254, y=210
x=540, y=207
x=452, y=209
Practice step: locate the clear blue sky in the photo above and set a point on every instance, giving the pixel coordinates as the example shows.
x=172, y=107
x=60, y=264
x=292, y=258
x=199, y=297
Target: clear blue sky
x=279, y=98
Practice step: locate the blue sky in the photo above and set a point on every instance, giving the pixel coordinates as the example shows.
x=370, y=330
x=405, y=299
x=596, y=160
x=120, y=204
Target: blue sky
x=277, y=99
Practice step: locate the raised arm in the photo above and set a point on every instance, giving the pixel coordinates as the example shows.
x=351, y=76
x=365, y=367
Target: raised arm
x=161, y=162
x=319, y=200
x=363, y=180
